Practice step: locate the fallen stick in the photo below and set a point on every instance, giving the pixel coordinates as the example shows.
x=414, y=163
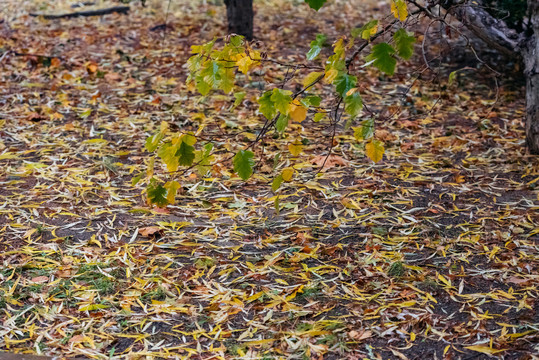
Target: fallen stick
x=98, y=12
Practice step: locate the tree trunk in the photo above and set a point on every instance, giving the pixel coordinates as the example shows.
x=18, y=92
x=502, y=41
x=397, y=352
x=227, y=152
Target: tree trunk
x=531, y=71
x=497, y=34
x=239, y=14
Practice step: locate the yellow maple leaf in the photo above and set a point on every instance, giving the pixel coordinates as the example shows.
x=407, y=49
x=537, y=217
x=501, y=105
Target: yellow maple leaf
x=172, y=188
x=295, y=148
x=399, y=9
x=244, y=63
x=297, y=112
x=375, y=150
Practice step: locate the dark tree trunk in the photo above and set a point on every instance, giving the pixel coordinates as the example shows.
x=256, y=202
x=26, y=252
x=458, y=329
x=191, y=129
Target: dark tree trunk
x=525, y=45
x=531, y=70
x=239, y=14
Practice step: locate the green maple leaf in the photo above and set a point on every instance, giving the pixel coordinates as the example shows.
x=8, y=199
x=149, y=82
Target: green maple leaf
x=353, y=104
x=382, y=58
x=211, y=73
x=202, y=86
x=267, y=108
x=157, y=194
x=281, y=100
x=281, y=123
x=405, y=43
x=316, y=46
x=344, y=82
x=243, y=163
x=204, y=158
x=227, y=79
x=316, y=4
x=312, y=100
x=152, y=142
x=365, y=131
x=185, y=154
x=193, y=63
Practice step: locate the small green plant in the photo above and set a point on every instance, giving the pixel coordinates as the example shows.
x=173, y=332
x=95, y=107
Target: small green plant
x=396, y=269
x=40, y=229
x=156, y=294
x=104, y=285
x=34, y=288
x=204, y=263
x=311, y=291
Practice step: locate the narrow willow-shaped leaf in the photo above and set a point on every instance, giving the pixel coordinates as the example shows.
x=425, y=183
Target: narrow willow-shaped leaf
x=277, y=181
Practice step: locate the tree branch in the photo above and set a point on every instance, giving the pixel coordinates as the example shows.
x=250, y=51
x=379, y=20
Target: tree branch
x=98, y=12
x=492, y=31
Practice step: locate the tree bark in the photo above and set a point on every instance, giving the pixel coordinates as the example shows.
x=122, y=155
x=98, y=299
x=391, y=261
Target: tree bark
x=531, y=71
x=492, y=31
x=240, y=17
x=525, y=45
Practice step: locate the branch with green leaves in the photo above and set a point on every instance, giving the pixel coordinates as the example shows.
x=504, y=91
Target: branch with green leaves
x=214, y=68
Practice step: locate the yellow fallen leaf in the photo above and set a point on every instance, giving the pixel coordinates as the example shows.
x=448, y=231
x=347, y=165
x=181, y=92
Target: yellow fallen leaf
x=484, y=349
x=287, y=174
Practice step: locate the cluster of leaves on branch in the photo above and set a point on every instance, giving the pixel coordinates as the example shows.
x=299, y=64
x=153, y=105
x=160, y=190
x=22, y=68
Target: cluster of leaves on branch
x=214, y=68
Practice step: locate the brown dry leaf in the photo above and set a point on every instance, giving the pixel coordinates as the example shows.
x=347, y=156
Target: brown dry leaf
x=148, y=231
x=360, y=334
x=112, y=76
x=385, y=135
x=517, y=280
x=329, y=161
x=40, y=279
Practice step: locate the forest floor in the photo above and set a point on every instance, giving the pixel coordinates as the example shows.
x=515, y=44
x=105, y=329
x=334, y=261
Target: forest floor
x=432, y=253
